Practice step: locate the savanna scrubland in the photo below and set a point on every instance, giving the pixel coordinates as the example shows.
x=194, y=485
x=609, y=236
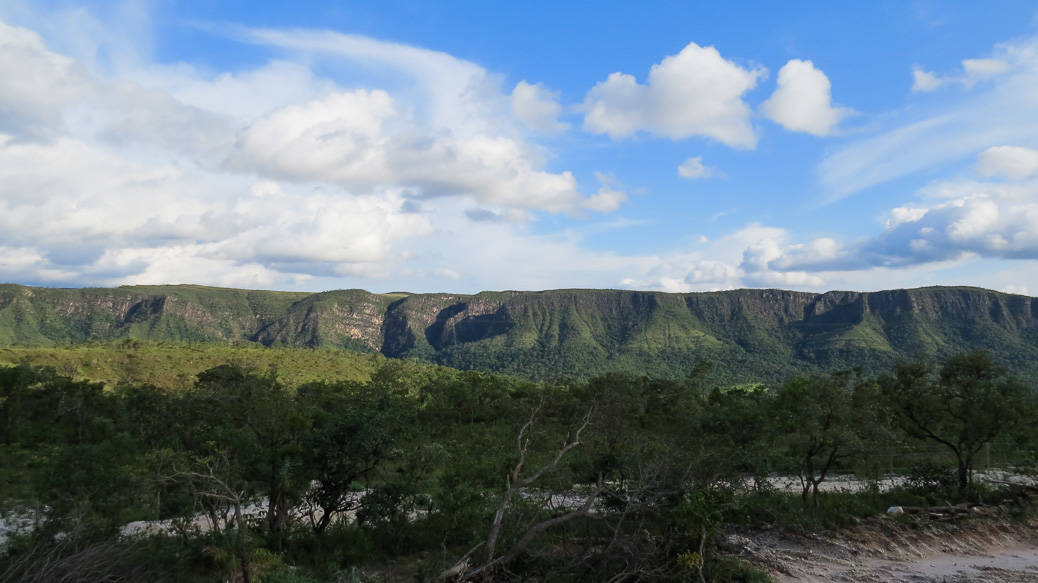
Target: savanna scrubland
x=381, y=469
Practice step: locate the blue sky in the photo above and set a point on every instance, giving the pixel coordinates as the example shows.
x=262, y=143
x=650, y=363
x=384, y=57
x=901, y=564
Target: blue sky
x=471, y=145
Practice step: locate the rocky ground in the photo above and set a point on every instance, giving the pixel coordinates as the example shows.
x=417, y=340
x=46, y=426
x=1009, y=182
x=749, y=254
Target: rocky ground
x=986, y=546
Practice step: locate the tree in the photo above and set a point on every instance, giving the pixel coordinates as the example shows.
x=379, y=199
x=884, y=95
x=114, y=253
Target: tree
x=354, y=428
x=255, y=418
x=963, y=406
x=214, y=479
x=517, y=481
x=736, y=428
x=816, y=417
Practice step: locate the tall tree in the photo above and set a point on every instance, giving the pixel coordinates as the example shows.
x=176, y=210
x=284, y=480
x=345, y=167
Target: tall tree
x=354, y=428
x=817, y=419
x=964, y=405
x=255, y=417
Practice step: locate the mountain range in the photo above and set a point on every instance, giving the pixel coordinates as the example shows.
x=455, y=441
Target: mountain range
x=748, y=334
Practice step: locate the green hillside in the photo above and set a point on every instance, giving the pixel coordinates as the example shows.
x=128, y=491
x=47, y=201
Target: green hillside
x=174, y=365
x=757, y=334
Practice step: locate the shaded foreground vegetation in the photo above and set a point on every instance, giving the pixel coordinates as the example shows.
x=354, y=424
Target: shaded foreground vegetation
x=422, y=474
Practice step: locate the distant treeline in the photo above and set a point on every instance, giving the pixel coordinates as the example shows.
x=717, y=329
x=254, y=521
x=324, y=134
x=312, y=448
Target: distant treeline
x=434, y=474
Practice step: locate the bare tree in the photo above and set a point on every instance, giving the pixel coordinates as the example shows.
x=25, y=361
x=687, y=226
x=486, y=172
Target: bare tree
x=213, y=482
x=516, y=483
x=71, y=561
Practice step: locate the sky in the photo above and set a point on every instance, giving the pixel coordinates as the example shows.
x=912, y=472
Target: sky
x=402, y=145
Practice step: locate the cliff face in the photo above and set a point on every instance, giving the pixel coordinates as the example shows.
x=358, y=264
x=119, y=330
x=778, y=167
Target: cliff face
x=751, y=334
x=190, y=313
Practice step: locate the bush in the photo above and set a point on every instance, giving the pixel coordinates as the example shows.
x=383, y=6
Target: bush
x=732, y=570
x=935, y=483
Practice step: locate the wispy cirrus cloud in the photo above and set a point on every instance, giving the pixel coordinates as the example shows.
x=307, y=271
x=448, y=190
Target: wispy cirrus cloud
x=997, y=112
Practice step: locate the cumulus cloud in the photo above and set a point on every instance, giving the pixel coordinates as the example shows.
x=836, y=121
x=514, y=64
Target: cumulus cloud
x=363, y=139
x=419, y=174
x=181, y=215
x=693, y=93
x=605, y=200
x=767, y=246
x=448, y=140
x=38, y=85
x=538, y=108
x=979, y=224
x=954, y=221
x=693, y=168
x=743, y=258
x=803, y=100
x=1009, y=161
x=271, y=176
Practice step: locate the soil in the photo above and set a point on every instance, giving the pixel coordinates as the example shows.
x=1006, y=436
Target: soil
x=985, y=547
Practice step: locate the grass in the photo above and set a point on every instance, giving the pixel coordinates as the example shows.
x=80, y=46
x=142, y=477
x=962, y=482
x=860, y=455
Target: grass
x=175, y=365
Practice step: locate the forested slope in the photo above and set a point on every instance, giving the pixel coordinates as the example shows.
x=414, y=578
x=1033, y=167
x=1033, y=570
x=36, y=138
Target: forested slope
x=753, y=334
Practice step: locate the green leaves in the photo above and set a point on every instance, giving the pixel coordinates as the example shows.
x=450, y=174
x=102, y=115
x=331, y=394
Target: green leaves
x=964, y=405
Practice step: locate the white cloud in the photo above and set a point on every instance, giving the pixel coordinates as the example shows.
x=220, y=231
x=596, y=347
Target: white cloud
x=693, y=93
x=803, y=100
x=446, y=133
x=605, y=200
x=446, y=273
x=973, y=72
x=936, y=133
x=693, y=168
x=743, y=258
x=955, y=221
x=243, y=95
x=711, y=272
x=363, y=139
x=263, y=177
x=768, y=247
x=184, y=217
x=37, y=86
x=980, y=224
x=977, y=69
x=419, y=173
x=1014, y=162
x=984, y=240
x=924, y=81
x=442, y=90
x=537, y=108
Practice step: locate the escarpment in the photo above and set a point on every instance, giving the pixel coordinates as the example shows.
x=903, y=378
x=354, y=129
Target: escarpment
x=749, y=333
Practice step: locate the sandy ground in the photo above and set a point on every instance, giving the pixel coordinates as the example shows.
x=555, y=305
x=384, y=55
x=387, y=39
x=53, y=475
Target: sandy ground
x=1009, y=564
x=984, y=549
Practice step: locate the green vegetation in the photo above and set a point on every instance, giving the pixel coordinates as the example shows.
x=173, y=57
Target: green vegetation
x=173, y=365
x=752, y=335
x=418, y=473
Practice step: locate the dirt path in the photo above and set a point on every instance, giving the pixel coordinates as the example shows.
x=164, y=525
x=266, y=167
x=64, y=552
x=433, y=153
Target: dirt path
x=982, y=549
x=1004, y=564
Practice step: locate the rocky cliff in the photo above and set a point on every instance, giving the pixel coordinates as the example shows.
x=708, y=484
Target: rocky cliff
x=751, y=334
